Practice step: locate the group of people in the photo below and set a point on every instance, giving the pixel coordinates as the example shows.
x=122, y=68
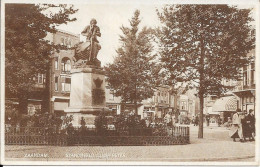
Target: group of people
x=195, y=120
x=243, y=126
x=169, y=119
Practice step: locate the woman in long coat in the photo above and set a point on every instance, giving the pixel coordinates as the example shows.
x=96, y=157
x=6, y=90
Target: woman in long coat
x=236, y=129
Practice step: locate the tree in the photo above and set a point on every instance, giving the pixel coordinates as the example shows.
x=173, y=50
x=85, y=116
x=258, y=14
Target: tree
x=27, y=53
x=131, y=74
x=204, y=44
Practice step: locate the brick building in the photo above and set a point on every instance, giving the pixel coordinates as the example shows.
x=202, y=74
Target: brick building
x=60, y=76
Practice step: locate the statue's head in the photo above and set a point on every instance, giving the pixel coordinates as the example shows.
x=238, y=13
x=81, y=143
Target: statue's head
x=93, y=22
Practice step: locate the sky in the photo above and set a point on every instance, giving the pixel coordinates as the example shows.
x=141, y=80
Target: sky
x=110, y=17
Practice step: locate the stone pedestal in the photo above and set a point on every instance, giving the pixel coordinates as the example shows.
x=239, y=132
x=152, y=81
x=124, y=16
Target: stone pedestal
x=87, y=97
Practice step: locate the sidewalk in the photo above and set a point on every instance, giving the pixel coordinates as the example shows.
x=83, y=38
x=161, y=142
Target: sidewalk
x=204, y=150
x=215, y=146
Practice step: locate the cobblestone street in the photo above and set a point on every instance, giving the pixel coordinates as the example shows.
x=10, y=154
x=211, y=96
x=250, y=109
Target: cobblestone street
x=215, y=146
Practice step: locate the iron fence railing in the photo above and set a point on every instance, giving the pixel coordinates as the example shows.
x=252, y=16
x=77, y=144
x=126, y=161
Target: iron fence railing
x=89, y=136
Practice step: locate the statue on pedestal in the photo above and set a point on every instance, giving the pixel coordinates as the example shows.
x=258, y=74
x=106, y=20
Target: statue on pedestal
x=87, y=96
x=88, y=51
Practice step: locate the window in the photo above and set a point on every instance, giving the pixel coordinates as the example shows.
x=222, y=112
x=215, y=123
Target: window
x=41, y=79
x=183, y=105
x=252, y=99
x=69, y=43
x=245, y=76
x=56, y=63
x=66, y=65
x=248, y=99
x=112, y=94
x=56, y=84
x=62, y=41
x=66, y=41
x=244, y=100
x=253, y=73
x=65, y=84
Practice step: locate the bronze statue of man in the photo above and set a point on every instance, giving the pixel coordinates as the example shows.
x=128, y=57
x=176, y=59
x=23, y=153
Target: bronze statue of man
x=91, y=47
x=92, y=31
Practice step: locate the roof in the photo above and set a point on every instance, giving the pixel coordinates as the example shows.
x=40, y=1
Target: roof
x=227, y=103
x=68, y=33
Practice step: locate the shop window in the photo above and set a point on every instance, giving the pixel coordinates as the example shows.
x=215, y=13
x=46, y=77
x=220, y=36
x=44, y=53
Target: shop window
x=66, y=65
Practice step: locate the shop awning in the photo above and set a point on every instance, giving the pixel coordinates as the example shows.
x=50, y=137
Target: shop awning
x=228, y=103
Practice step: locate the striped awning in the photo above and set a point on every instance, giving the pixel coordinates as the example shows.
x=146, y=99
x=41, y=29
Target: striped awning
x=228, y=103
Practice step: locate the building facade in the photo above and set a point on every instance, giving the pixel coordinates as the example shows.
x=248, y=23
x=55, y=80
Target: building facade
x=60, y=76
x=245, y=91
x=162, y=102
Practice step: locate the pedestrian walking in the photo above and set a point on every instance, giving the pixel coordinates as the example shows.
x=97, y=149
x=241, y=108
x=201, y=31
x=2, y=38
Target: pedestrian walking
x=193, y=120
x=167, y=119
x=251, y=124
x=173, y=120
x=207, y=119
x=236, y=129
x=196, y=120
x=70, y=132
x=245, y=126
x=219, y=121
x=179, y=119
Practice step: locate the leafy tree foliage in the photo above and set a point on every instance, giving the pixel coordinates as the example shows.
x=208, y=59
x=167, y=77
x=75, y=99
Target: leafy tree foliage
x=204, y=44
x=101, y=123
x=27, y=53
x=131, y=74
